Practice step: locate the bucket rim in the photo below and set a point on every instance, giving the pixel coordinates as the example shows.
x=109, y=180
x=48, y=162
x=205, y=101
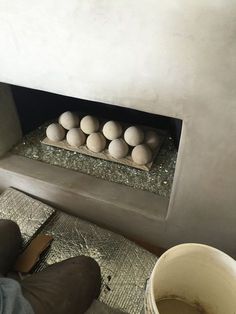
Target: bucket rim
x=205, y=247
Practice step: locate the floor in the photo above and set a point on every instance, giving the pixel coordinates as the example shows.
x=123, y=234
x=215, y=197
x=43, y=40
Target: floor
x=125, y=266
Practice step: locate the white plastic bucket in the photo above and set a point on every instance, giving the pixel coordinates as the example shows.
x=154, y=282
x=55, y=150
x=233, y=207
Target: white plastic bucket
x=199, y=275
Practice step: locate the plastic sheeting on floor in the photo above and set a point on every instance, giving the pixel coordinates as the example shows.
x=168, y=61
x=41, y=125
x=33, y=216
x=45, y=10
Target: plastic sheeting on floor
x=125, y=266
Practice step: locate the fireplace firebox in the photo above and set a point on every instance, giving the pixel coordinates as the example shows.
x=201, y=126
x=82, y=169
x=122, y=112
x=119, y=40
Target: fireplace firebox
x=37, y=109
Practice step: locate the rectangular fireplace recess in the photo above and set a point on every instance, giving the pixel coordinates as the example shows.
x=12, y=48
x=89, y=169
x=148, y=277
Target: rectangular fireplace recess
x=57, y=175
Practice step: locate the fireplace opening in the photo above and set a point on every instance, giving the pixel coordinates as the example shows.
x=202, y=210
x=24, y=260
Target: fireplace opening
x=37, y=109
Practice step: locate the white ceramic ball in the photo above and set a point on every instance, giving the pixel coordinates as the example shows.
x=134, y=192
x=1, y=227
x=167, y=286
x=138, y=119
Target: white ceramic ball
x=89, y=124
x=141, y=154
x=134, y=136
x=69, y=120
x=55, y=132
x=118, y=148
x=75, y=137
x=96, y=142
x=112, y=130
x=152, y=139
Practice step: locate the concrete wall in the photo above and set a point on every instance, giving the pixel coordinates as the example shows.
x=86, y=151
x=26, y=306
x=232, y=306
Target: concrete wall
x=175, y=58
x=10, y=130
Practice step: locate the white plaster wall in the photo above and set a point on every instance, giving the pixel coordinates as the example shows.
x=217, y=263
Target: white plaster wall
x=176, y=58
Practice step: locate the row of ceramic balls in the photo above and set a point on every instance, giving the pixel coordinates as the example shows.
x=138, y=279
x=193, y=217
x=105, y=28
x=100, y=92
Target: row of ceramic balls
x=143, y=143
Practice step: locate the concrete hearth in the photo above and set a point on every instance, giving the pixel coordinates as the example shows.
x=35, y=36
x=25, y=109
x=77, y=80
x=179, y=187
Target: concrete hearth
x=173, y=59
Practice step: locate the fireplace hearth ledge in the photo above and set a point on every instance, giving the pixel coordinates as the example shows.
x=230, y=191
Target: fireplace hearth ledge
x=108, y=204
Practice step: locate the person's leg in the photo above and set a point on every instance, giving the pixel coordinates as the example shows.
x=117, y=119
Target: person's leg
x=11, y=297
x=68, y=287
x=10, y=245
